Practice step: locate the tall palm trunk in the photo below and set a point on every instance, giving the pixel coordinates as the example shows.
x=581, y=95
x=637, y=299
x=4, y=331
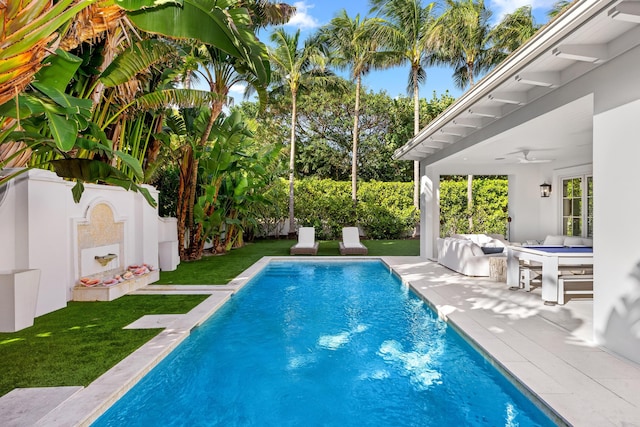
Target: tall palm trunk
x=470, y=177
x=416, y=129
x=354, y=164
x=292, y=163
x=470, y=201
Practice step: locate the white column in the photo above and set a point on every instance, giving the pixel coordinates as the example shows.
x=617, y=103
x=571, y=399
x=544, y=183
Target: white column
x=616, y=299
x=429, y=212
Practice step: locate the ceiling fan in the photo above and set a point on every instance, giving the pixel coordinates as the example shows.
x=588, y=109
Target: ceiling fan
x=526, y=159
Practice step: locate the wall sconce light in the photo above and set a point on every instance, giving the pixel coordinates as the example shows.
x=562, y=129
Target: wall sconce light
x=545, y=190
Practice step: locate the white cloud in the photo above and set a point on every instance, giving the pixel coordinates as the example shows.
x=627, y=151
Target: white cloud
x=502, y=7
x=302, y=19
x=238, y=88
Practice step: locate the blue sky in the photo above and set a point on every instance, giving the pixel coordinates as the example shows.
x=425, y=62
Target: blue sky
x=311, y=14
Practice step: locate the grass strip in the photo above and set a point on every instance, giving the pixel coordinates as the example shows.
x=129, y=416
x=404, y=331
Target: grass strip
x=221, y=269
x=77, y=344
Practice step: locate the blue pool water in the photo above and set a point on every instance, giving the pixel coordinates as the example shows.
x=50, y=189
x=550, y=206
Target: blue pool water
x=324, y=344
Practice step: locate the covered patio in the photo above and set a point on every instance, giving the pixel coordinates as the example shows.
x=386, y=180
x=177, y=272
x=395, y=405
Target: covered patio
x=561, y=110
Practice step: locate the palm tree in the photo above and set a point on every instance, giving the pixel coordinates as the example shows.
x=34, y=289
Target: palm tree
x=265, y=13
x=466, y=41
x=355, y=45
x=294, y=68
x=559, y=7
x=514, y=29
x=220, y=71
x=462, y=38
x=412, y=23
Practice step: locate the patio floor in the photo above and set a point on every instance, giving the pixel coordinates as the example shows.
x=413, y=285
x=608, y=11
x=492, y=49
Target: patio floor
x=548, y=348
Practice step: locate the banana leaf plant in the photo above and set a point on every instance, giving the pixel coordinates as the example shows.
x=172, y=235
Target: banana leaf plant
x=218, y=160
x=241, y=187
x=54, y=122
x=60, y=118
x=220, y=24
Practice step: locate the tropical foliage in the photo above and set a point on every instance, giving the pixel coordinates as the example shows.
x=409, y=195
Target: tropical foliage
x=385, y=209
x=107, y=91
x=411, y=23
x=296, y=67
x=95, y=111
x=357, y=44
x=323, y=133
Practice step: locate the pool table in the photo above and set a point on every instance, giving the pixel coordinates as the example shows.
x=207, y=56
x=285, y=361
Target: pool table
x=552, y=259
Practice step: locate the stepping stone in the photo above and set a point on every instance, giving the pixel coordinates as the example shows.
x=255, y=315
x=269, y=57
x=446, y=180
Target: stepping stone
x=25, y=406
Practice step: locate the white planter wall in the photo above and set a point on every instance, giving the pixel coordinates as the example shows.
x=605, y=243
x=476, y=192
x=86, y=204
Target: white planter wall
x=39, y=228
x=18, y=299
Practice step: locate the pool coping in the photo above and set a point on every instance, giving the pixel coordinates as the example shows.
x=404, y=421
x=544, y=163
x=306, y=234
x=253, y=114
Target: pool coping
x=574, y=407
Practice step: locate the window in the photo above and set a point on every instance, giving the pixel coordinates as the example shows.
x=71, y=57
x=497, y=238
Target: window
x=577, y=206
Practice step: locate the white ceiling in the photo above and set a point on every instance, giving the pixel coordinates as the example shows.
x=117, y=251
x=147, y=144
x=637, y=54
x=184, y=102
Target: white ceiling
x=563, y=136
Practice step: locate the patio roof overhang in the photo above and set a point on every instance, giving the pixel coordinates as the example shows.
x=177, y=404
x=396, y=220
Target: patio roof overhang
x=581, y=39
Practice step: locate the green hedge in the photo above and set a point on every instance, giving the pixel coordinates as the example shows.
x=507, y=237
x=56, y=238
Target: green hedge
x=384, y=210
x=489, y=211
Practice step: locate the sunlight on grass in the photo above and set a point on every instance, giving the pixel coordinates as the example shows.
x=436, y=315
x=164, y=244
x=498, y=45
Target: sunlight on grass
x=44, y=335
x=11, y=340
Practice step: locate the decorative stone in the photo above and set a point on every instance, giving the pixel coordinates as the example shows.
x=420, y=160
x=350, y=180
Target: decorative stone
x=498, y=268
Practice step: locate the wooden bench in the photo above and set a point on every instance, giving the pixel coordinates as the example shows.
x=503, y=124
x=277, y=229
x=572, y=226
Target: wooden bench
x=573, y=278
x=528, y=272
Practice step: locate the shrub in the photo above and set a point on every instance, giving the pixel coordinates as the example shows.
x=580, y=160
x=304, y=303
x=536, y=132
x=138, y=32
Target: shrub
x=384, y=211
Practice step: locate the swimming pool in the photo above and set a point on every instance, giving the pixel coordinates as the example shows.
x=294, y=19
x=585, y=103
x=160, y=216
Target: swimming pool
x=324, y=343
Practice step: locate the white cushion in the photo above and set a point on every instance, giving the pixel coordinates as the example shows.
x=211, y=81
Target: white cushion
x=573, y=241
x=553, y=241
x=306, y=237
x=476, y=249
x=587, y=241
x=495, y=243
x=459, y=236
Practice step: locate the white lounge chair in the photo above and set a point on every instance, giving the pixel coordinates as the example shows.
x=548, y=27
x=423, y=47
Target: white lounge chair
x=307, y=244
x=350, y=244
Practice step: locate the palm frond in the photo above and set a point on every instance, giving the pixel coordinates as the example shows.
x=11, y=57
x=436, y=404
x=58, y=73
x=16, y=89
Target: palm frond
x=138, y=57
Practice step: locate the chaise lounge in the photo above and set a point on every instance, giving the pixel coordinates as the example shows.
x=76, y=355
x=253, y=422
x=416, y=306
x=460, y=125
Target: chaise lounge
x=350, y=244
x=306, y=242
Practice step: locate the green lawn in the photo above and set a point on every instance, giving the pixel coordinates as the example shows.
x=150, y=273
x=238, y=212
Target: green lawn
x=77, y=344
x=221, y=269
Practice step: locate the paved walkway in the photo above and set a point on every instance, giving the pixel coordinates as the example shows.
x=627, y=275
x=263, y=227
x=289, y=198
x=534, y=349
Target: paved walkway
x=548, y=348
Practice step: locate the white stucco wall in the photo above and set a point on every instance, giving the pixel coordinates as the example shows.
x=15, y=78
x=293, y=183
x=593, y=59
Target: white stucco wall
x=617, y=230
x=38, y=225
